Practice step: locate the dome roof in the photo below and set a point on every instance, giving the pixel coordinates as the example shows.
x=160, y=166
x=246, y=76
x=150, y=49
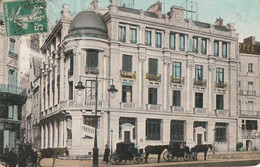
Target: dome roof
x=88, y=24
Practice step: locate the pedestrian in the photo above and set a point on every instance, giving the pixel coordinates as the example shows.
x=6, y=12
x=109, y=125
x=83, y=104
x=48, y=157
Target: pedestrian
x=34, y=157
x=106, y=154
x=6, y=149
x=12, y=158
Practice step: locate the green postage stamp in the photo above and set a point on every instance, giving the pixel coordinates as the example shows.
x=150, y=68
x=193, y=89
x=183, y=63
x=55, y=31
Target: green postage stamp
x=25, y=17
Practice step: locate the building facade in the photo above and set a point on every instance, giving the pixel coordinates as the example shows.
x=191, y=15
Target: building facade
x=12, y=96
x=176, y=79
x=249, y=94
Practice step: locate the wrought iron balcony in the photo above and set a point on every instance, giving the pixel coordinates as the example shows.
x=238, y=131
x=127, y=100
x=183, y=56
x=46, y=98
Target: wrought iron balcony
x=153, y=77
x=92, y=70
x=127, y=74
x=221, y=85
x=13, y=89
x=202, y=82
x=177, y=80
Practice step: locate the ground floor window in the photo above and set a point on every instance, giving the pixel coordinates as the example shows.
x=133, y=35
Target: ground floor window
x=251, y=125
x=177, y=130
x=202, y=124
x=221, y=132
x=124, y=120
x=153, y=129
x=90, y=121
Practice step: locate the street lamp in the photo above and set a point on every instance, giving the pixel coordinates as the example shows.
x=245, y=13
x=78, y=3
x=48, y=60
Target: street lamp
x=112, y=90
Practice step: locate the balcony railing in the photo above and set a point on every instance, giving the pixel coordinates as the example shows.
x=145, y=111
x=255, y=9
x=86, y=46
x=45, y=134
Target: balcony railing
x=127, y=105
x=153, y=77
x=13, y=55
x=202, y=83
x=177, y=80
x=222, y=112
x=127, y=75
x=251, y=92
x=249, y=113
x=200, y=110
x=221, y=85
x=92, y=70
x=13, y=89
x=178, y=109
x=154, y=107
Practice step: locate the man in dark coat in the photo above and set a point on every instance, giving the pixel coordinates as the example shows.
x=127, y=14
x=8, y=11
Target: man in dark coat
x=106, y=154
x=34, y=157
x=12, y=158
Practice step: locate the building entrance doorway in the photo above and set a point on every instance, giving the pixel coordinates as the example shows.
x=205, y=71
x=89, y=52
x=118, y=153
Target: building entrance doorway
x=248, y=144
x=126, y=136
x=199, y=139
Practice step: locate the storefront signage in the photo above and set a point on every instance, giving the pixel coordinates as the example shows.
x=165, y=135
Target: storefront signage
x=250, y=49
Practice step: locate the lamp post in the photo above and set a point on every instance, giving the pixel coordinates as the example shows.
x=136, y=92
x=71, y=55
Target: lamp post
x=214, y=131
x=111, y=90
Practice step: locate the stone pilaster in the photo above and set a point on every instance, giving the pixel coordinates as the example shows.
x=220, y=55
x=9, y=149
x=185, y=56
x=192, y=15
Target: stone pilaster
x=211, y=85
x=142, y=58
x=166, y=64
x=189, y=84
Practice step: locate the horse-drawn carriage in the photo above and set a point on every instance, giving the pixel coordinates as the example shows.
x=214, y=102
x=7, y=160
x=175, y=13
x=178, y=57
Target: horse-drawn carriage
x=177, y=149
x=126, y=151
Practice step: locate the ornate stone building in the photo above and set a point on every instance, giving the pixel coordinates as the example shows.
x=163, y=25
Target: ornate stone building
x=249, y=94
x=12, y=96
x=176, y=79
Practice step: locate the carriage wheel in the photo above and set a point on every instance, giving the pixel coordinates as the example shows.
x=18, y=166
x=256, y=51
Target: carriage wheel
x=140, y=159
x=112, y=159
x=119, y=161
x=186, y=156
x=167, y=156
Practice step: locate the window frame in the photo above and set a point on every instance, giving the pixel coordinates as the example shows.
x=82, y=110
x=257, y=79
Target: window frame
x=220, y=129
x=122, y=34
x=172, y=41
x=220, y=102
x=176, y=103
x=219, y=72
x=174, y=69
x=153, y=129
x=148, y=37
x=199, y=100
x=152, y=96
x=199, y=70
x=179, y=127
x=153, y=66
x=204, y=50
x=182, y=36
x=125, y=89
x=216, y=48
x=132, y=29
x=90, y=57
x=250, y=67
x=71, y=90
x=128, y=59
x=224, y=52
x=158, y=39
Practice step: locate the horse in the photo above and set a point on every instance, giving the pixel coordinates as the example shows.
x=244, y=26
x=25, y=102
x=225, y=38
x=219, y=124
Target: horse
x=154, y=150
x=201, y=148
x=51, y=153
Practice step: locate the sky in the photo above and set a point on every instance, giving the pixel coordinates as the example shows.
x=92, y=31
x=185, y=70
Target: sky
x=244, y=13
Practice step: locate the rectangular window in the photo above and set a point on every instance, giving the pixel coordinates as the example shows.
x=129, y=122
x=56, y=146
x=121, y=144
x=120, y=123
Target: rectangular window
x=177, y=130
x=195, y=44
x=92, y=58
x=58, y=86
x=153, y=129
x=133, y=35
x=250, y=67
x=182, y=42
x=158, y=39
x=224, y=50
x=148, y=37
x=198, y=72
x=216, y=48
x=176, y=69
x=176, y=98
x=71, y=65
x=12, y=78
x=204, y=46
x=220, y=102
x=12, y=45
x=122, y=33
x=172, y=40
x=127, y=63
x=198, y=100
x=152, y=95
x=250, y=105
x=127, y=120
x=220, y=75
x=221, y=132
x=90, y=121
x=251, y=125
x=153, y=66
x=71, y=90
x=127, y=94
x=90, y=89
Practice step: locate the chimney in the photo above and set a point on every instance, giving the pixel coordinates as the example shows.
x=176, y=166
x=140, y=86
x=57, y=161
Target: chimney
x=156, y=9
x=250, y=40
x=114, y=3
x=177, y=13
x=219, y=22
x=95, y=5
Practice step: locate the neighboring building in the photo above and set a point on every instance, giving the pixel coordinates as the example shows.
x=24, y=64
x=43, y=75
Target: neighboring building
x=176, y=79
x=249, y=94
x=12, y=96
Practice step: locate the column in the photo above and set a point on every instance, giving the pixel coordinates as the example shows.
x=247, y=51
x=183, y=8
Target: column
x=76, y=128
x=46, y=91
x=141, y=35
x=55, y=96
x=189, y=86
x=199, y=45
x=42, y=136
x=46, y=136
x=65, y=133
x=127, y=27
x=141, y=80
x=55, y=138
x=106, y=75
x=62, y=73
x=141, y=136
x=153, y=38
x=51, y=94
x=166, y=130
x=61, y=133
x=189, y=133
x=211, y=84
x=210, y=46
x=166, y=63
x=166, y=40
x=42, y=86
x=50, y=134
x=220, y=49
